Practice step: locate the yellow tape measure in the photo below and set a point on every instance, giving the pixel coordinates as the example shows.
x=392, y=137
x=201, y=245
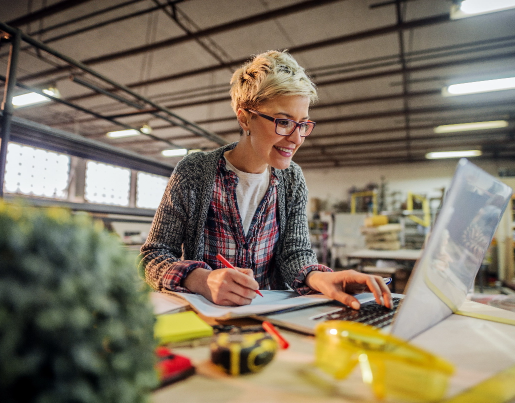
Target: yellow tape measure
x=242, y=353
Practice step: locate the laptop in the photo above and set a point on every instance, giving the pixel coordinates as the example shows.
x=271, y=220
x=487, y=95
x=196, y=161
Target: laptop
x=442, y=276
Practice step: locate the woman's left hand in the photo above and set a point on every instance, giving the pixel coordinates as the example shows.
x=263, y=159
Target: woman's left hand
x=339, y=285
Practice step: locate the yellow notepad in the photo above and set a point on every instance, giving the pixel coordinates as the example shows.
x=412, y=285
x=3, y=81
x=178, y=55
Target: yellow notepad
x=180, y=326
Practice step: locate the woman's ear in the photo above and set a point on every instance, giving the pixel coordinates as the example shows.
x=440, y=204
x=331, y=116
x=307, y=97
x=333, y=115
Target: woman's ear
x=243, y=119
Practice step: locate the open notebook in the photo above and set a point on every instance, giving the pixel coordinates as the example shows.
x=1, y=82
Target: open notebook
x=270, y=302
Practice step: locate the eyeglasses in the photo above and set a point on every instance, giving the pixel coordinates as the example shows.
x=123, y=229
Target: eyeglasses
x=285, y=127
x=391, y=366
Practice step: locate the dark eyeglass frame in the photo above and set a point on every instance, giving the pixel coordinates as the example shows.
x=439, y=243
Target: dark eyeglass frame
x=272, y=119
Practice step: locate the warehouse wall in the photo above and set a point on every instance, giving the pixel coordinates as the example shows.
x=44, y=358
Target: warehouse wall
x=332, y=185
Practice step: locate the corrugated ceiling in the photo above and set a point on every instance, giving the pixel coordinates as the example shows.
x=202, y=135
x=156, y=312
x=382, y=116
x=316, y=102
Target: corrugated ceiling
x=379, y=66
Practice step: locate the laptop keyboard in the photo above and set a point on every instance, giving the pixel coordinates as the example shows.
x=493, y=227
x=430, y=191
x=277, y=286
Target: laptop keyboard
x=370, y=313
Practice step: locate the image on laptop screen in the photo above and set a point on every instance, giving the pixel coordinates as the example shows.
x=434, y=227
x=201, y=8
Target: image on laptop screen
x=455, y=249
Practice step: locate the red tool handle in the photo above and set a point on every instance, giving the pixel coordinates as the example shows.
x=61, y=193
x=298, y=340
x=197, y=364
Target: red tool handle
x=275, y=334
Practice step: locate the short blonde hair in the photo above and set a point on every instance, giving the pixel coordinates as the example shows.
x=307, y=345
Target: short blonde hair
x=266, y=76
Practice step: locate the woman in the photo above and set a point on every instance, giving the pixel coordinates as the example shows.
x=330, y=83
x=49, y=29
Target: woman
x=247, y=202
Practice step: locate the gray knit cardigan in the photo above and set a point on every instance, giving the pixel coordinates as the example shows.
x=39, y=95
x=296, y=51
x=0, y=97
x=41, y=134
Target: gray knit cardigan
x=178, y=227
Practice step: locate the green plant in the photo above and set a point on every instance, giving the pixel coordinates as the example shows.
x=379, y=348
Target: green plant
x=76, y=324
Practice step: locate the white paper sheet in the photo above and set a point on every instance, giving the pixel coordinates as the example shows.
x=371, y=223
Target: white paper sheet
x=164, y=303
x=270, y=302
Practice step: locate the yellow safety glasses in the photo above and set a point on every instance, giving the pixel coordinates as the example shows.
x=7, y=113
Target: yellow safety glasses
x=393, y=367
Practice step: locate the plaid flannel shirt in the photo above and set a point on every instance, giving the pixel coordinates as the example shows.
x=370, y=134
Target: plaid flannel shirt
x=223, y=233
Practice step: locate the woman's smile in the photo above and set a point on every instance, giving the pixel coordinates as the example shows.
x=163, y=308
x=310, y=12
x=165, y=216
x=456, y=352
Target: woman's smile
x=285, y=151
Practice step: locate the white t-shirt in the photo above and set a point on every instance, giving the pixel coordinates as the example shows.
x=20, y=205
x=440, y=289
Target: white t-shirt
x=249, y=192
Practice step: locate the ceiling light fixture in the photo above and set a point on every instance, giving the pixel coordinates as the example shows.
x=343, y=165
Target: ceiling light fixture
x=470, y=8
x=123, y=133
x=465, y=127
x=129, y=132
x=32, y=98
x=178, y=152
x=452, y=154
x=146, y=129
x=477, y=87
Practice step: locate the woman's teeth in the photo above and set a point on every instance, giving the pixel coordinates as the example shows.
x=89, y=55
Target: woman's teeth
x=284, y=150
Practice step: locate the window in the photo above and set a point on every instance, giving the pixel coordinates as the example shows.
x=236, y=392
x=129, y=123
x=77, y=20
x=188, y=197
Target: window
x=150, y=190
x=36, y=172
x=107, y=184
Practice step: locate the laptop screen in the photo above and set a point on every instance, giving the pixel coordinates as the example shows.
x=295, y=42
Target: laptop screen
x=455, y=250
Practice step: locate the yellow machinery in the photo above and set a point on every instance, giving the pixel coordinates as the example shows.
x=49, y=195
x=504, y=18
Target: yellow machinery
x=426, y=221
x=354, y=196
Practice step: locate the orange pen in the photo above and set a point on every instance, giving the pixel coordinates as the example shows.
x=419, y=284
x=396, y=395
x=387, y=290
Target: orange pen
x=227, y=264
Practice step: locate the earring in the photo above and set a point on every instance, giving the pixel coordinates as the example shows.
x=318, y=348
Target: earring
x=248, y=133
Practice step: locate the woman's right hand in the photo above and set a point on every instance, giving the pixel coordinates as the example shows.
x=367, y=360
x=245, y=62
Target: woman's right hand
x=223, y=286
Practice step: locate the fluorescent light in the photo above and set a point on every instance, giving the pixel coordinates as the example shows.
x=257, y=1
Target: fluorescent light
x=130, y=132
x=123, y=133
x=178, y=152
x=464, y=127
x=476, y=87
x=32, y=98
x=469, y=8
x=453, y=154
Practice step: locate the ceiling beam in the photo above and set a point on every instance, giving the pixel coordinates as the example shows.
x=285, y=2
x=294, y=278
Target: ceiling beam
x=469, y=137
x=347, y=102
x=394, y=150
x=170, y=116
x=228, y=98
x=101, y=24
x=295, y=8
x=315, y=45
x=382, y=161
x=45, y=12
x=342, y=80
x=416, y=69
x=507, y=108
x=309, y=150
x=504, y=108
x=382, y=62
x=87, y=28
x=82, y=18
x=400, y=15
